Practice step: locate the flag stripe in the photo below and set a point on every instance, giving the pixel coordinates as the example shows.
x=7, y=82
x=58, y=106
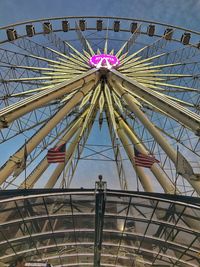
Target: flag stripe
x=59, y=154
x=55, y=157
x=142, y=160
x=56, y=154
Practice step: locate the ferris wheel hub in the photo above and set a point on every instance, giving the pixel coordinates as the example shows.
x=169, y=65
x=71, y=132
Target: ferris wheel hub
x=105, y=61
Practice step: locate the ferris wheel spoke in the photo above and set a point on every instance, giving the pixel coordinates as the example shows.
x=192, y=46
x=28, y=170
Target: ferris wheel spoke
x=155, y=83
x=153, y=48
x=161, y=176
x=178, y=55
x=80, y=55
x=74, y=159
x=118, y=157
x=72, y=59
x=147, y=51
x=57, y=42
x=33, y=120
x=143, y=177
x=152, y=69
x=34, y=48
x=135, y=62
x=60, y=138
x=187, y=117
x=10, y=166
x=128, y=149
x=164, y=144
x=129, y=43
x=16, y=110
x=14, y=58
x=11, y=72
x=31, y=158
x=105, y=50
x=61, y=166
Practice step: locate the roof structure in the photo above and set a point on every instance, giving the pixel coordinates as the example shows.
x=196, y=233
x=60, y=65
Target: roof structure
x=105, y=227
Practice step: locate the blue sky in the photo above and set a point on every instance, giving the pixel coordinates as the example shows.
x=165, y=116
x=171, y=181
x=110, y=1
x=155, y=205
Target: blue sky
x=180, y=12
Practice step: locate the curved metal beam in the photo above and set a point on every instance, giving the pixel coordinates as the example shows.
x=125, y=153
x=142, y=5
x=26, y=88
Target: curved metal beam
x=103, y=254
x=99, y=17
x=86, y=230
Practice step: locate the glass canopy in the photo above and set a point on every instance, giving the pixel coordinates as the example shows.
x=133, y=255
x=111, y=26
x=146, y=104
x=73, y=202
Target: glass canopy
x=99, y=228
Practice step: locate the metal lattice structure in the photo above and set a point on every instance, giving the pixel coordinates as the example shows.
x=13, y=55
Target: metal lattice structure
x=134, y=229
x=71, y=79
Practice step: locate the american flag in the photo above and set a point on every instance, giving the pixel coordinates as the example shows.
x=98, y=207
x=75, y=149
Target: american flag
x=56, y=154
x=142, y=160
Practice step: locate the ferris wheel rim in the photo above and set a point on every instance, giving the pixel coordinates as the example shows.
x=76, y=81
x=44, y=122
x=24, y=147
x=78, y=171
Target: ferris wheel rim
x=99, y=17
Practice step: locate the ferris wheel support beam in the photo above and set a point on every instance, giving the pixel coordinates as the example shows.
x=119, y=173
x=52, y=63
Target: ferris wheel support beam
x=14, y=111
x=166, y=184
x=18, y=157
x=172, y=154
x=118, y=158
x=144, y=179
x=58, y=170
x=84, y=133
x=151, y=128
x=43, y=165
x=73, y=162
x=188, y=118
x=160, y=176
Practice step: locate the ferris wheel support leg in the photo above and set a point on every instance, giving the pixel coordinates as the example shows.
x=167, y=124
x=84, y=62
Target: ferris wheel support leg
x=166, y=184
x=16, y=110
x=118, y=158
x=57, y=172
x=144, y=179
x=73, y=162
x=43, y=165
x=183, y=115
x=145, y=121
x=13, y=162
x=160, y=176
x=172, y=154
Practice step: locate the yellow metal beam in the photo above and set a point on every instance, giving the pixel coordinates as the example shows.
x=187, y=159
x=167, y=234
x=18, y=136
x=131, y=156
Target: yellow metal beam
x=16, y=110
x=161, y=177
x=178, y=112
x=43, y=165
x=8, y=168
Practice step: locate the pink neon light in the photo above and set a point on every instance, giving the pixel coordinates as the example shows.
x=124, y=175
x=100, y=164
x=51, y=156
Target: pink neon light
x=104, y=61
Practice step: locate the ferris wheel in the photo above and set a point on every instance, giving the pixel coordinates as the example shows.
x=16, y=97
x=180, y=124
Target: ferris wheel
x=131, y=86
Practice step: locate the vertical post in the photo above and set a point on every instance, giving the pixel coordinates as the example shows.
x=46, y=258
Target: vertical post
x=137, y=181
x=25, y=157
x=176, y=175
x=64, y=182
x=100, y=201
